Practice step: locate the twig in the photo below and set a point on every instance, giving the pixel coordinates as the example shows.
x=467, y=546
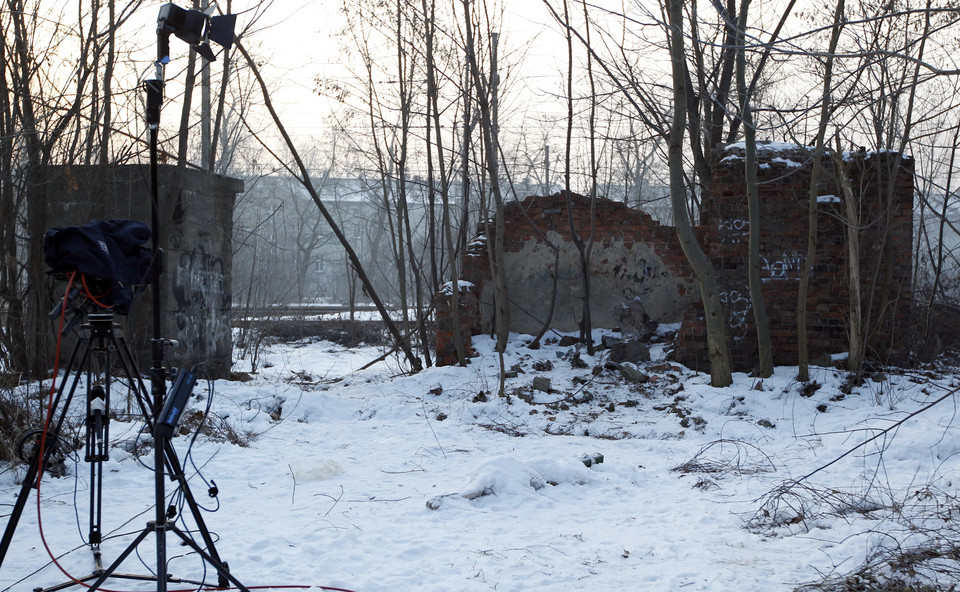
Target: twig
x=425, y=416
x=879, y=434
x=293, y=493
x=336, y=500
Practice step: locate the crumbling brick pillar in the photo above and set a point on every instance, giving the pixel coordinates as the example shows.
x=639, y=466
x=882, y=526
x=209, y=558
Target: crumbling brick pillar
x=469, y=320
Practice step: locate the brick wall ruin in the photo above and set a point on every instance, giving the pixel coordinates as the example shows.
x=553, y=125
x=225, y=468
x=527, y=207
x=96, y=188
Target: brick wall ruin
x=783, y=178
x=637, y=258
x=634, y=257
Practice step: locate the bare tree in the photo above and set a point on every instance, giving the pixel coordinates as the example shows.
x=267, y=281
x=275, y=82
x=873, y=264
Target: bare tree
x=720, y=370
x=765, y=362
x=584, y=249
x=484, y=85
x=305, y=179
x=826, y=109
x=446, y=226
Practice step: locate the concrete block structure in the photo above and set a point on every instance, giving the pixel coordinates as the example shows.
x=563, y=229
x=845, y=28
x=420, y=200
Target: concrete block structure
x=196, y=226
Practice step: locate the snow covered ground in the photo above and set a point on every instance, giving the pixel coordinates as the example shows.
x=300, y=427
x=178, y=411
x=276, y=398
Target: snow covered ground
x=368, y=480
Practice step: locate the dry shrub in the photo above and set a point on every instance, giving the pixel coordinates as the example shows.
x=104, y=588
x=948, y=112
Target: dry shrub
x=344, y=332
x=916, y=547
x=15, y=419
x=212, y=426
x=806, y=505
x=935, y=330
x=728, y=457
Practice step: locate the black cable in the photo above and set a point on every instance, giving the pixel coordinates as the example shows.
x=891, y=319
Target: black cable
x=144, y=563
x=210, y=485
x=136, y=446
x=76, y=488
x=180, y=497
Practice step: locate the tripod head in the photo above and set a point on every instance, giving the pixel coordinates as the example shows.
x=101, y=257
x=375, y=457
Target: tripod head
x=83, y=301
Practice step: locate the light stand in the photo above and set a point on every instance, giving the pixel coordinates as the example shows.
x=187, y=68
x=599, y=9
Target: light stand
x=195, y=28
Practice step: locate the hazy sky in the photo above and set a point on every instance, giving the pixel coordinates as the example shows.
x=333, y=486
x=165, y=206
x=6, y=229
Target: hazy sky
x=295, y=43
x=299, y=37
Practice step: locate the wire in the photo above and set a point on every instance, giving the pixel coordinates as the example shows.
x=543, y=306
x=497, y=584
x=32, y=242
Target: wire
x=189, y=455
x=276, y=587
x=76, y=488
x=46, y=429
x=179, y=494
x=86, y=288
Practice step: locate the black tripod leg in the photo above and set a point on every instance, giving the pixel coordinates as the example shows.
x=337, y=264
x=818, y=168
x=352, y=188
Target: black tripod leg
x=96, y=481
x=126, y=553
x=222, y=571
x=22, y=497
x=176, y=470
x=53, y=434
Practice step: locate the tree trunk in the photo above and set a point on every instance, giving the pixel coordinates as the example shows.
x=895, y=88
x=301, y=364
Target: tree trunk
x=826, y=108
x=720, y=370
x=11, y=331
x=856, y=334
x=487, y=126
x=491, y=157
x=433, y=116
x=764, y=350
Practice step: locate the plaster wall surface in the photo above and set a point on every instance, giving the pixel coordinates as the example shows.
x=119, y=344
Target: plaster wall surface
x=620, y=271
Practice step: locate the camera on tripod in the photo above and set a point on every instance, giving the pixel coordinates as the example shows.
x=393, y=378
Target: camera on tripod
x=110, y=257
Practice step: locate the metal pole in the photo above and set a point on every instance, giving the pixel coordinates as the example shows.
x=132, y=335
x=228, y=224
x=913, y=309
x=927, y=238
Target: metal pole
x=157, y=375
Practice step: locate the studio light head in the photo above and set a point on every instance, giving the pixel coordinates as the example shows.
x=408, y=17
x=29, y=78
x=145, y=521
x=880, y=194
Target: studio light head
x=194, y=27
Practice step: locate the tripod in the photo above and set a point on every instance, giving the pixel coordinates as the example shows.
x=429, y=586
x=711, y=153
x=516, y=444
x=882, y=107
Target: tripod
x=98, y=350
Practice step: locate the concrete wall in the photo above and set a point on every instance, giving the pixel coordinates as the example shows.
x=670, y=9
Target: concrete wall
x=196, y=226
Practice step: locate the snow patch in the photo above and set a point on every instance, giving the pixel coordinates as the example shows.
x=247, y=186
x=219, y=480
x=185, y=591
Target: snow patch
x=786, y=161
x=465, y=286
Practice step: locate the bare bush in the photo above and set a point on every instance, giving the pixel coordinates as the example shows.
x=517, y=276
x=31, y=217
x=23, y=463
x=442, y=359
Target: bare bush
x=807, y=504
x=728, y=457
x=16, y=418
x=918, y=552
x=213, y=427
x=252, y=336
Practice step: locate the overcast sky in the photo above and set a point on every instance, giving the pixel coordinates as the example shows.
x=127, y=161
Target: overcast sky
x=299, y=37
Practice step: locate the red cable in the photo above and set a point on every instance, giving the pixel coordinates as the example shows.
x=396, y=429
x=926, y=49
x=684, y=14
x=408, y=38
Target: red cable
x=83, y=278
x=46, y=427
x=277, y=587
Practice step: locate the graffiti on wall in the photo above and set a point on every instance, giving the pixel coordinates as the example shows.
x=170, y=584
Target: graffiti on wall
x=199, y=289
x=786, y=266
x=738, y=306
x=733, y=231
